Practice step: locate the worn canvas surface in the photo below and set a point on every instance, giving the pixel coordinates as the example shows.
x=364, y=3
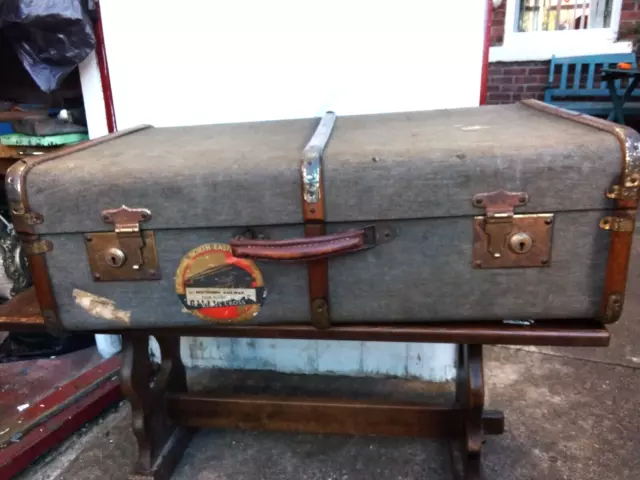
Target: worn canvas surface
x=417, y=171
x=391, y=166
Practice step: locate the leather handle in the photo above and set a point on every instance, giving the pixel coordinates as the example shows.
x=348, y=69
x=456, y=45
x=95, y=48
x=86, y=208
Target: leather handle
x=303, y=249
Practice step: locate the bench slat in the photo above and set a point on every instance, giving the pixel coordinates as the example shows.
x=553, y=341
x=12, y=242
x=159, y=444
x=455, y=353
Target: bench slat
x=591, y=75
x=571, y=95
x=577, y=75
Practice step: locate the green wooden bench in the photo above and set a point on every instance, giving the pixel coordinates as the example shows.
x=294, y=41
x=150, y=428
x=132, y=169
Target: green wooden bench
x=590, y=96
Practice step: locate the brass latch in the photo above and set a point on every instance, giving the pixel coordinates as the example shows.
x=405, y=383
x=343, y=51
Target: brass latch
x=128, y=253
x=498, y=222
x=503, y=239
x=127, y=226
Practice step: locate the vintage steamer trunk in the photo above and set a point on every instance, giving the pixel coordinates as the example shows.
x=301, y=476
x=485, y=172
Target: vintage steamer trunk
x=480, y=214
x=425, y=226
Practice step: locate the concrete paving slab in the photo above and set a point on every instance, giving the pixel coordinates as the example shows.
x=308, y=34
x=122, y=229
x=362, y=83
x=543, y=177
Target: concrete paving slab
x=566, y=419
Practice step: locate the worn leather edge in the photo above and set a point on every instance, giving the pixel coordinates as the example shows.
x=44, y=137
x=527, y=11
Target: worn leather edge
x=22, y=218
x=620, y=243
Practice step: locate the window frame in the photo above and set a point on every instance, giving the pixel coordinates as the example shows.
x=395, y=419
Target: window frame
x=542, y=45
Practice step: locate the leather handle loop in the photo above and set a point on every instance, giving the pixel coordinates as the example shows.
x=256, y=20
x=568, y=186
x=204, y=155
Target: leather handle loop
x=300, y=249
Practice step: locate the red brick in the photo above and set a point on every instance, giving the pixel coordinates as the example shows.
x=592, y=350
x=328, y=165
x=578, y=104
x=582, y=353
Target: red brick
x=511, y=88
x=534, y=88
x=493, y=88
x=541, y=79
x=515, y=71
x=500, y=97
x=630, y=15
x=520, y=80
x=537, y=70
x=504, y=80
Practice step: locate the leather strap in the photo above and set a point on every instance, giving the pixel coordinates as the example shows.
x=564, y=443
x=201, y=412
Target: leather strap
x=314, y=217
x=313, y=247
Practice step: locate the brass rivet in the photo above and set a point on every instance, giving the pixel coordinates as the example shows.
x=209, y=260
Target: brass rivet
x=88, y=238
x=523, y=199
x=96, y=276
x=478, y=263
x=478, y=201
x=549, y=221
x=312, y=210
x=105, y=217
x=634, y=179
x=544, y=260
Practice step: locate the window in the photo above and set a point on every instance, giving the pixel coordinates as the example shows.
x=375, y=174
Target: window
x=538, y=29
x=551, y=15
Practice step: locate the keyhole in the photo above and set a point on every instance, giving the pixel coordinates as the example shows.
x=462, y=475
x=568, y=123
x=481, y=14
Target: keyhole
x=520, y=243
x=114, y=257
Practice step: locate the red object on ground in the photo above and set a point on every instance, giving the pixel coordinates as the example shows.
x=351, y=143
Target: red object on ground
x=44, y=401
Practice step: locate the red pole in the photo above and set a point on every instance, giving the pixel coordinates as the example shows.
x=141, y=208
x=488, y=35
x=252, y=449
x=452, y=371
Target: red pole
x=485, y=55
x=103, y=66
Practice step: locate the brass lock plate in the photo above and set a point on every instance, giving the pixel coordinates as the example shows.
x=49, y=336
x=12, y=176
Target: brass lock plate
x=107, y=265
x=528, y=243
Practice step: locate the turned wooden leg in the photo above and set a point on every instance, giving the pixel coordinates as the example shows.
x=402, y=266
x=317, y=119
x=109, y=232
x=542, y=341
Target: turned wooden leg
x=160, y=442
x=476, y=422
x=473, y=401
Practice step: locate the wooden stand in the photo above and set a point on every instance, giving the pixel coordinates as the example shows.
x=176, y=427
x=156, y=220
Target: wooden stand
x=164, y=412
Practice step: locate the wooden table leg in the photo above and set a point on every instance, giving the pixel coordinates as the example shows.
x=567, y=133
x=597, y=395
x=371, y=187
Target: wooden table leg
x=476, y=421
x=616, y=114
x=160, y=442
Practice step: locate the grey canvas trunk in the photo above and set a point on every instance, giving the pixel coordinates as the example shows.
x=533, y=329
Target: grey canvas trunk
x=417, y=172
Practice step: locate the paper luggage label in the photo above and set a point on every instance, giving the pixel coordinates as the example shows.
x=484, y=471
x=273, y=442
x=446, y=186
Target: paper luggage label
x=215, y=286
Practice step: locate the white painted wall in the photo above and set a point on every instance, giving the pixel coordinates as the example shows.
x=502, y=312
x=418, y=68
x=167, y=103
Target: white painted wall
x=197, y=62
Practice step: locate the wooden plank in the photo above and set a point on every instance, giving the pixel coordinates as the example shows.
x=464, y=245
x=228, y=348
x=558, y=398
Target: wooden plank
x=17, y=456
x=22, y=313
x=568, y=333
x=315, y=415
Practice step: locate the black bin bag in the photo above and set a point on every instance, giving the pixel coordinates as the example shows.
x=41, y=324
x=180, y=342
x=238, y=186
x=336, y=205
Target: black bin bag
x=51, y=37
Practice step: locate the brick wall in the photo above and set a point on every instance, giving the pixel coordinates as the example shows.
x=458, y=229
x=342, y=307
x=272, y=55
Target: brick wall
x=497, y=24
x=629, y=19
x=510, y=82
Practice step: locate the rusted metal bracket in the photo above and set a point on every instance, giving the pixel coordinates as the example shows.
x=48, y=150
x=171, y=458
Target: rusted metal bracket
x=311, y=168
x=37, y=247
x=127, y=253
x=618, y=224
